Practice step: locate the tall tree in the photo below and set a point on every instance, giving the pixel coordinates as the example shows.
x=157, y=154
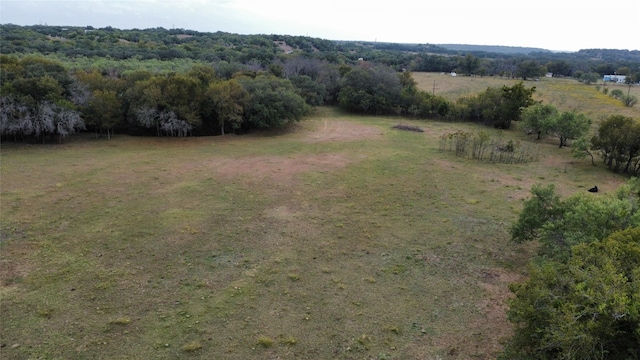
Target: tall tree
x=618, y=141
x=229, y=100
x=104, y=111
x=517, y=98
x=569, y=125
x=273, y=101
x=469, y=64
x=530, y=69
x=537, y=119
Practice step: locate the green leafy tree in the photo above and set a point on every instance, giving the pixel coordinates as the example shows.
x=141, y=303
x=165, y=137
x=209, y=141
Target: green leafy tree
x=311, y=91
x=618, y=142
x=104, y=111
x=588, y=78
x=517, y=97
x=559, y=67
x=582, y=218
x=580, y=149
x=36, y=96
x=537, y=119
x=543, y=207
x=273, y=101
x=469, y=64
x=229, y=100
x=616, y=93
x=568, y=126
x=172, y=104
x=497, y=107
x=585, y=308
x=370, y=90
x=530, y=69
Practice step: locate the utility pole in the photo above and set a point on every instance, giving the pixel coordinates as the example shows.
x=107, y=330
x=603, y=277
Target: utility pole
x=434, y=87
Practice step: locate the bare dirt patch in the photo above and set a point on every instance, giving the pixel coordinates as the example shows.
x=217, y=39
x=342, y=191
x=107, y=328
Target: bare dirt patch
x=284, y=47
x=278, y=168
x=335, y=130
x=495, y=282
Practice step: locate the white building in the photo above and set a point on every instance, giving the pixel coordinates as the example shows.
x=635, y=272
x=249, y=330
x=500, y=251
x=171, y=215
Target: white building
x=620, y=79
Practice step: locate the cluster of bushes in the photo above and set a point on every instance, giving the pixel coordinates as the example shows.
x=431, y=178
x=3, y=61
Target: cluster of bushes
x=546, y=120
x=581, y=298
x=626, y=99
x=617, y=140
x=480, y=146
x=496, y=107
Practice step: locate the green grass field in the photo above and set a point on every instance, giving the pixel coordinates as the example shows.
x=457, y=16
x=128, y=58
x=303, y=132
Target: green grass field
x=564, y=93
x=336, y=238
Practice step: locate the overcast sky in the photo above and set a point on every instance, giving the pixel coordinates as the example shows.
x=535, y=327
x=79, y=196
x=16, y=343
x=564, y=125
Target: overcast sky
x=567, y=25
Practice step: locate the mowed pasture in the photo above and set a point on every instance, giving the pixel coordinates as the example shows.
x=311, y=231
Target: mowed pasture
x=338, y=237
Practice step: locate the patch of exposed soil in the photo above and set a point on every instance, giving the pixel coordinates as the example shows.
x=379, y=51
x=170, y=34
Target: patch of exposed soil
x=278, y=168
x=494, y=326
x=333, y=130
x=284, y=47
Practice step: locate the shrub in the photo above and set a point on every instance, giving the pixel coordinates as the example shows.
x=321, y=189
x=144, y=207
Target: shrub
x=584, y=309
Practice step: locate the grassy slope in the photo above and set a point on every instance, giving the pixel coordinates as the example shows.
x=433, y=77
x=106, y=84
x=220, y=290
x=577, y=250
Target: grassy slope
x=371, y=245
x=566, y=94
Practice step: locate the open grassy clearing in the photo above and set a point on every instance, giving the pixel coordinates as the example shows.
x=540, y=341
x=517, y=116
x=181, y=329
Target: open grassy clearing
x=565, y=94
x=338, y=238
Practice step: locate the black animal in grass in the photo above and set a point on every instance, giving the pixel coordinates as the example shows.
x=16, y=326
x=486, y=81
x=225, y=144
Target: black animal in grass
x=594, y=189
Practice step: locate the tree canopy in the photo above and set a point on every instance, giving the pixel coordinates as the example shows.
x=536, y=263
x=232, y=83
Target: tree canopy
x=586, y=308
x=580, y=300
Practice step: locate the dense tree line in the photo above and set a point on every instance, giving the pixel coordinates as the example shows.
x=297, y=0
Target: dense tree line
x=40, y=98
x=179, y=82
x=176, y=44
x=43, y=98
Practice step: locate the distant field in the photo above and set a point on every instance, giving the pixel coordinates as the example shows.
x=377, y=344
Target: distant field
x=339, y=238
x=566, y=94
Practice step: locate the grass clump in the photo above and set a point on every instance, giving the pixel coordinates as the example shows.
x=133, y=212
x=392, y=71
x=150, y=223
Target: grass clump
x=120, y=321
x=265, y=341
x=289, y=340
x=192, y=346
x=294, y=277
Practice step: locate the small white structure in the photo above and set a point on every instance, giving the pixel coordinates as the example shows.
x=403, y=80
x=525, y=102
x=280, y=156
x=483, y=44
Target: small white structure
x=620, y=79
x=550, y=75
x=453, y=73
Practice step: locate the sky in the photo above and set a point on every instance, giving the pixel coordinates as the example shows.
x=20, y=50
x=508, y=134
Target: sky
x=561, y=25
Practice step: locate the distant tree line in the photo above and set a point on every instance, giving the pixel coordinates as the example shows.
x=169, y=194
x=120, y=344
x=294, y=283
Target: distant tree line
x=72, y=43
